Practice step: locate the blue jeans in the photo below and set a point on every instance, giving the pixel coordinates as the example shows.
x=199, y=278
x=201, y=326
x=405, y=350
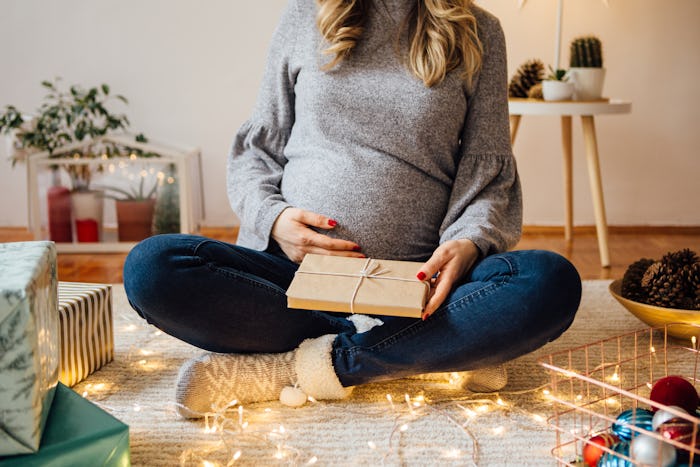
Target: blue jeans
x=230, y=299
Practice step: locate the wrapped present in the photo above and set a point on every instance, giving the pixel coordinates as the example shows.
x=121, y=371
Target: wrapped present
x=85, y=329
x=28, y=343
x=358, y=285
x=79, y=434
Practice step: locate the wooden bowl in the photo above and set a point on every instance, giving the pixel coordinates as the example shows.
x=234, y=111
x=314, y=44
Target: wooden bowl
x=683, y=324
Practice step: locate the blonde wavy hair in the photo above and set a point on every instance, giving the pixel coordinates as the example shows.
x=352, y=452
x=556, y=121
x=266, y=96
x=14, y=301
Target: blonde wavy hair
x=442, y=35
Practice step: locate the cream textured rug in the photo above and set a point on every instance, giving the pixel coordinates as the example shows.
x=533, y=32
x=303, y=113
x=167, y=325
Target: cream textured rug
x=437, y=425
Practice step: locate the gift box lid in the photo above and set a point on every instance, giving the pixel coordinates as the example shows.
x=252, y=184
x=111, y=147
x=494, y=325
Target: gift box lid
x=77, y=433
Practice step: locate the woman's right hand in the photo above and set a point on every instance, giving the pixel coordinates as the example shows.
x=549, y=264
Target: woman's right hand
x=292, y=232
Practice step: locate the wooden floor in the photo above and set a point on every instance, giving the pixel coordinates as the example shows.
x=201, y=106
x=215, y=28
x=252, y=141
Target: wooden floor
x=626, y=246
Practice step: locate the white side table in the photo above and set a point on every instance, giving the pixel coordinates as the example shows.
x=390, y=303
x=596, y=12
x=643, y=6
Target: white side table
x=586, y=110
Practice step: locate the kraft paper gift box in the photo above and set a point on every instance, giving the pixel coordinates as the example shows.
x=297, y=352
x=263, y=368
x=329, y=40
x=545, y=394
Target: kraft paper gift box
x=358, y=285
x=28, y=343
x=78, y=434
x=85, y=329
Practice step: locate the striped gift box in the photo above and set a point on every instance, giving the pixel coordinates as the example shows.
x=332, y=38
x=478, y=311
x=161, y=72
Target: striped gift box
x=85, y=329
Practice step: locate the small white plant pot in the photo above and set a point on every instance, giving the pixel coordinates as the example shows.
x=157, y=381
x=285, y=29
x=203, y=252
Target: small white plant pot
x=557, y=90
x=588, y=83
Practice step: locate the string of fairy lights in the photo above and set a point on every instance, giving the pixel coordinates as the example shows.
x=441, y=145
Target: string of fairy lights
x=237, y=433
x=231, y=431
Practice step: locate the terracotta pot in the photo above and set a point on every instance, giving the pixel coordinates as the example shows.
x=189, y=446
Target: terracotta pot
x=134, y=219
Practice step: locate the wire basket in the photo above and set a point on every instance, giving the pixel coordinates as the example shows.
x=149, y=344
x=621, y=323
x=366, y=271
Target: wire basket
x=592, y=384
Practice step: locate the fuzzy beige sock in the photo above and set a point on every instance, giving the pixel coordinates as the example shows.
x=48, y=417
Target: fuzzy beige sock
x=490, y=379
x=212, y=381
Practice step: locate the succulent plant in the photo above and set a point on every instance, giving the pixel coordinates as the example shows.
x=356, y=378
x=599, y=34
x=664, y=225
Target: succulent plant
x=557, y=75
x=586, y=52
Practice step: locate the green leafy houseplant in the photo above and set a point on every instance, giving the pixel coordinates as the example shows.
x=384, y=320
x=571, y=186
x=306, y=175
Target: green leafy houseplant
x=65, y=117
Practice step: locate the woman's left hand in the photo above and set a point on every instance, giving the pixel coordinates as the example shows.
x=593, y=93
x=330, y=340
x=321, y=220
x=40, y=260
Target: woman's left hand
x=451, y=260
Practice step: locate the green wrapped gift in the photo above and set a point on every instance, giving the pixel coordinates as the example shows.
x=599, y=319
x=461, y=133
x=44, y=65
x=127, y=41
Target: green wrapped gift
x=77, y=433
x=28, y=343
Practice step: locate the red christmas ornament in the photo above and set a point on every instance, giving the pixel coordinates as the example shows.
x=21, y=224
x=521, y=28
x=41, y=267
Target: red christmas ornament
x=677, y=428
x=681, y=430
x=675, y=390
x=592, y=451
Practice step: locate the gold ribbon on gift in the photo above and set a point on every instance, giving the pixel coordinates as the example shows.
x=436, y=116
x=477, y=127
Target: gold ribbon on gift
x=368, y=271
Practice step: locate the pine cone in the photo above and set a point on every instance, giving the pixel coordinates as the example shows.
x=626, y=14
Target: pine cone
x=528, y=74
x=678, y=277
x=691, y=274
x=631, y=281
x=694, y=276
x=535, y=92
x=653, y=272
x=672, y=282
x=667, y=291
x=676, y=260
x=694, y=281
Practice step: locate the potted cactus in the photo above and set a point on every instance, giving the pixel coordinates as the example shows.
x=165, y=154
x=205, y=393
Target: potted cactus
x=586, y=68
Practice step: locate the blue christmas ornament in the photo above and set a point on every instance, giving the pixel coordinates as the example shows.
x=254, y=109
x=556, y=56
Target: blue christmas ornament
x=640, y=418
x=614, y=460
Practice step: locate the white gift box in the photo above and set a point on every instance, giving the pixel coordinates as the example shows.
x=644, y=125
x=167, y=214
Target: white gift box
x=28, y=343
x=86, y=332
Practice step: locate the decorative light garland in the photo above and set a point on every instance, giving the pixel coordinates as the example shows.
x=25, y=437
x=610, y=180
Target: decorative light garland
x=234, y=427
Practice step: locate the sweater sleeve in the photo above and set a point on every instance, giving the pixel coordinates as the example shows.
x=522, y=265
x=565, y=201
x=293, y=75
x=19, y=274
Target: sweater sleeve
x=486, y=202
x=256, y=160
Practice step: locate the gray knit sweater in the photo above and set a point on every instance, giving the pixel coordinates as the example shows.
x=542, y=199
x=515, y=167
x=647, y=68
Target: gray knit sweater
x=401, y=167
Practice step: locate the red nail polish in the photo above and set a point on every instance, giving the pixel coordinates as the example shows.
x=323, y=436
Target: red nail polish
x=332, y=222
x=421, y=276
x=356, y=248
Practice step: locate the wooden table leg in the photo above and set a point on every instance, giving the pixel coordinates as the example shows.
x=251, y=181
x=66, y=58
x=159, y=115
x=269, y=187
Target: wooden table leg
x=596, y=188
x=514, y=124
x=568, y=177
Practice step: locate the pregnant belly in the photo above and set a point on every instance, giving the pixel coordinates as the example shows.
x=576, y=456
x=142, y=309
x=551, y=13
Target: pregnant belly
x=391, y=212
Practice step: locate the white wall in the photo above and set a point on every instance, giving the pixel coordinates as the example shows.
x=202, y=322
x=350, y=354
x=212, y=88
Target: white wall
x=191, y=71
